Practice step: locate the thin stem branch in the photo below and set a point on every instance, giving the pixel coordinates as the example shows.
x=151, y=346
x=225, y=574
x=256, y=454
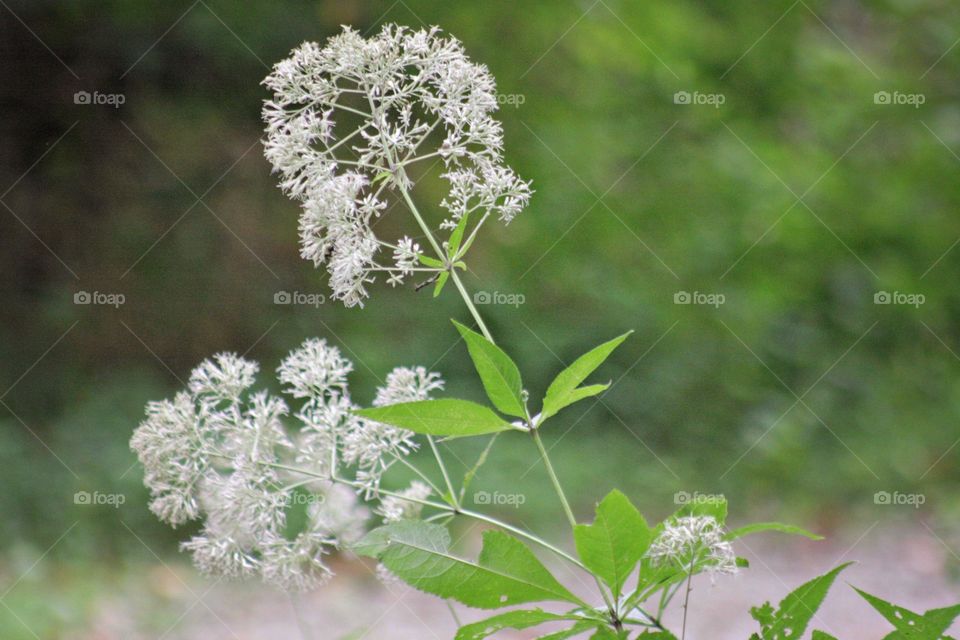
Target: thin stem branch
x=553, y=478
x=443, y=470
x=473, y=310
x=686, y=603
x=419, y=473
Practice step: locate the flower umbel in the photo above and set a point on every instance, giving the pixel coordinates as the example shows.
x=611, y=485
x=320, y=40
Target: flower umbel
x=228, y=456
x=350, y=121
x=694, y=542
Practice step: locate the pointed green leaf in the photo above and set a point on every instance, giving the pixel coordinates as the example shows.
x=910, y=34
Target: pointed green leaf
x=519, y=619
x=615, y=542
x=499, y=374
x=770, y=526
x=441, y=280
x=456, y=237
x=427, y=261
x=507, y=572
x=443, y=417
x=913, y=626
x=790, y=620
x=562, y=390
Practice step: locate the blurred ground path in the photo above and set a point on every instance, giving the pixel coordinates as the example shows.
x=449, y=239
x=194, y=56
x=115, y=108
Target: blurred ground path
x=909, y=566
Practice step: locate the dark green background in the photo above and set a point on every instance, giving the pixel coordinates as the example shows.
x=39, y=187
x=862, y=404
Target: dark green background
x=637, y=198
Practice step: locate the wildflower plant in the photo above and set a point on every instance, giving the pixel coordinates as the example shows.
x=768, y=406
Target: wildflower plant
x=280, y=481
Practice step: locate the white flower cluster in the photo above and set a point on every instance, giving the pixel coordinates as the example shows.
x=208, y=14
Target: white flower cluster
x=223, y=454
x=694, y=541
x=347, y=122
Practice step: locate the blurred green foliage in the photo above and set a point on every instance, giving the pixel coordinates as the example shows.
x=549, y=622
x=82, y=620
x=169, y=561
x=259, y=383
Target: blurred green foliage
x=798, y=199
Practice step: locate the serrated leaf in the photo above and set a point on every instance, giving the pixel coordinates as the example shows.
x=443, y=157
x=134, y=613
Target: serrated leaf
x=456, y=237
x=615, y=542
x=561, y=391
x=443, y=417
x=499, y=374
x=770, y=526
x=519, y=619
x=790, y=619
x=913, y=626
x=506, y=573
x=441, y=280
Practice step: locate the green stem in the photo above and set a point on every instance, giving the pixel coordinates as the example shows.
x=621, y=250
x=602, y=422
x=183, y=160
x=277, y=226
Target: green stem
x=443, y=470
x=466, y=299
x=553, y=478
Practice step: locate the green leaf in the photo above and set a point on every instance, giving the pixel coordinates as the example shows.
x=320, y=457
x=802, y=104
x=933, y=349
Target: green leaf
x=443, y=417
x=770, y=526
x=427, y=261
x=562, y=391
x=575, y=630
x=441, y=280
x=606, y=633
x=507, y=572
x=913, y=626
x=790, y=620
x=820, y=635
x=499, y=374
x=519, y=619
x=615, y=542
x=456, y=237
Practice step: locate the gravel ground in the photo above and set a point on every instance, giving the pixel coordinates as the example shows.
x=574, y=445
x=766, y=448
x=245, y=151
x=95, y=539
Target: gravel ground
x=908, y=566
